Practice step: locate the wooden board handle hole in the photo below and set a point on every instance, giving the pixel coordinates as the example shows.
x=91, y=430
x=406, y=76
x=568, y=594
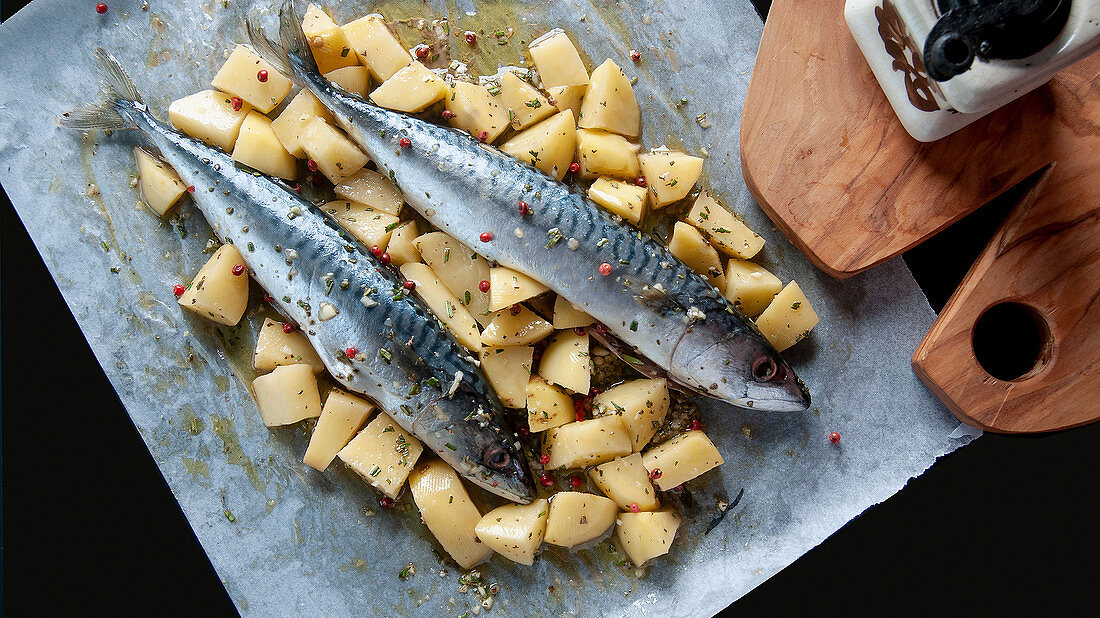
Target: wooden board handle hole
x=1012, y=341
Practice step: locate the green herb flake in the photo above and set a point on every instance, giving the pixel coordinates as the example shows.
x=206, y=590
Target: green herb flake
x=634, y=326
x=229, y=515
x=386, y=355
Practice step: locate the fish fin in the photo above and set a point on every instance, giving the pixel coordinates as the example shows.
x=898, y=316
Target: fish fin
x=640, y=363
x=116, y=95
x=291, y=54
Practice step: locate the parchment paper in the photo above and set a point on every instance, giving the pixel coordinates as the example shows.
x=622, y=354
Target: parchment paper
x=302, y=541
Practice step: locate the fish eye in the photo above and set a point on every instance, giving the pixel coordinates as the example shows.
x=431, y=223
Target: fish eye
x=497, y=458
x=764, y=369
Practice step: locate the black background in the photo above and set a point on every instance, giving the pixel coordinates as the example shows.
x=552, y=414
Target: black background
x=1006, y=525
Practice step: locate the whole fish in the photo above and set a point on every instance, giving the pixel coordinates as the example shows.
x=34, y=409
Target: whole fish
x=339, y=294
x=650, y=300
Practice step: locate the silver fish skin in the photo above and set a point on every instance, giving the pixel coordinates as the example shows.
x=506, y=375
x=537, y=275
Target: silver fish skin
x=340, y=296
x=651, y=300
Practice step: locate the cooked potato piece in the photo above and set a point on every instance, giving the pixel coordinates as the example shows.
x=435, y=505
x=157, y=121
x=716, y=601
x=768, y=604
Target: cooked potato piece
x=643, y=536
x=557, y=60
x=401, y=247
x=369, y=226
x=327, y=41
x=610, y=103
x=568, y=98
x=547, y=406
x=750, y=287
x=626, y=481
x=566, y=362
x=508, y=287
x=383, y=454
x=515, y=531
x=525, y=106
x=373, y=189
x=377, y=47
x=641, y=404
x=336, y=156
x=448, y=512
x=355, y=80
x=509, y=371
x=443, y=304
x=291, y=123
x=788, y=319
x=410, y=89
x=240, y=76
x=209, y=116
x=670, y=175
x=566, y=315
x=461, y=270
x=584, y=443
x=549, y=145
x=606, y=154
x=523, y=328
x=275, y=347
x=619, y=198
x=258, y=147
x=476, y=111
x=342, y=415
x=726, y=232
x=682, y=458
x=216, y=293
x=576, y=518
x=689, y=245
x=287, y=395
x=161, y=187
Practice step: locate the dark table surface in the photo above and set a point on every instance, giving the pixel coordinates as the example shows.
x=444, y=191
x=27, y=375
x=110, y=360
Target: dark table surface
x=1006, y=525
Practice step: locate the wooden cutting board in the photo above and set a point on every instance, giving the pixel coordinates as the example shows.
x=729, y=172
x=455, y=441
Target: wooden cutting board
x=826, y=158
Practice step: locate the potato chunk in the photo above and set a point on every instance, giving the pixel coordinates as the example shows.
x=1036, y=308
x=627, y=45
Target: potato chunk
x=610, y=103
x=525, y=327
x=336, y=156
x=355, y=79
x=377, y=47
x=508, y=287
x=515, y=531
x=557, y=60
x=788, y=319
x=216, y=293
x=369, y=226
x=383, y=454
x=525, y=105
x=576, y=518
x=689, y=245
x=643, y=536
x=443, y=304
x=460, y=269
x=547, y=406
x=682, y=458
x=448, y=512
x=509, y=371
x=240, y=76
x=619, y=198
x=410, y=89
x=327, y=41
x=606, y=154
x=276, y=347
x=291, y=123
x=258, y=147
x=287, y=395
x=209, y=116
x=584, y=443
x=401, y=247
x=670, y=175
x=373, y=189
x=549, y=145
x=626, y=481
x=641, y=404
x=566, y=362
x=567, y=315
x=726, y=232
x=161, y=187
x=476, y=111
x=750, y=287
x=341, y=417
x=568, y=98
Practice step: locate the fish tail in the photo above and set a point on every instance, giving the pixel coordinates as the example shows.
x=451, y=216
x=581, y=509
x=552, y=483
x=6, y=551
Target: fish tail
x=117, y=97
x=291, y=54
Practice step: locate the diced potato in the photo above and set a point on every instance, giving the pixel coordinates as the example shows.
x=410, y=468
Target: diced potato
x=508, y=287
x=476, y=111
x=525, y=327
x=584, y=443
x=515, y=531
x=641, y=404
x=547, y=406
x=377, y=47
x=670, y=175
x=410, y=89
x=576, y=518
x=549, y=145
x=750, y=287
x=209, y=116
x=566, y=315
x=726, y=232
x=369, y=226
x=258, y=147
x=689, y=245
x=327, y=41
x=401, y=247
x=448, y=512
x=788, y=319
x=557, y=60
x=161, y=187
x=336, y=156
x=354, y=79
x=643, y=536
x=240, y=75
x=216, y=293
x=626, y=481
x=620, y=198
x=682, y=458
x=276, y=347
x=525, y=105
x=461, y=270
x=566, y=362
x=509, y=371
x=287, y=395
x=291, y=123
x=373, y=189
x=383, y=454
x=606, y=154
x=443, y=304
x=610, y=103
x=341, y=417
x=568, y=98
